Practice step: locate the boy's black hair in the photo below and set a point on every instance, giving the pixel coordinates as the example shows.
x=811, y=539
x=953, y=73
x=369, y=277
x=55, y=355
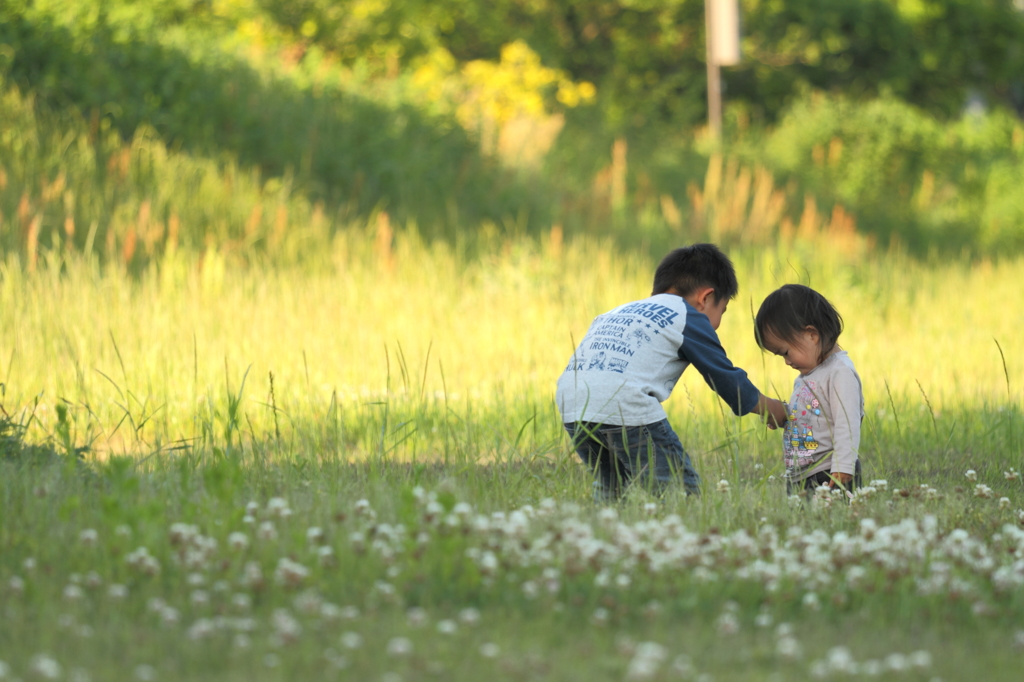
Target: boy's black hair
x=691, y=267
x=789, y=310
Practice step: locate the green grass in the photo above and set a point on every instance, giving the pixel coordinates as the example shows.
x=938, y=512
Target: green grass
x=405, y=374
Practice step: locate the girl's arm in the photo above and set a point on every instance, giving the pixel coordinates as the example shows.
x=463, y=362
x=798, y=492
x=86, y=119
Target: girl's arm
x=844, y=400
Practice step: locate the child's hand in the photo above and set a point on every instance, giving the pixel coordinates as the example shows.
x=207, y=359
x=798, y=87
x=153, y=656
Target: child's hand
x=843, y=479
x=776, y=413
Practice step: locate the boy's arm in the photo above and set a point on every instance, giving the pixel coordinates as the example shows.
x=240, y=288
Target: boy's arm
x=702, y=349
x=773, y=411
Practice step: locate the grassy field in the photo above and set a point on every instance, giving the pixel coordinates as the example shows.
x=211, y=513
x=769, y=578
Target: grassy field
x=356, y=471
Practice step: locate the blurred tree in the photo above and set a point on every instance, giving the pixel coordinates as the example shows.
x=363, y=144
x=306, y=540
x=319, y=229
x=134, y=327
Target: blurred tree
x=647, y=56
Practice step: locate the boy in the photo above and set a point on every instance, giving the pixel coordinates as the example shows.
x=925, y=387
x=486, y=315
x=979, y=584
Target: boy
x=610, y=393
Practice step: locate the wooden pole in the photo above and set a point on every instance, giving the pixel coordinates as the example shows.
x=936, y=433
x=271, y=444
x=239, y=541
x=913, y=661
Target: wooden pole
x=714, y=74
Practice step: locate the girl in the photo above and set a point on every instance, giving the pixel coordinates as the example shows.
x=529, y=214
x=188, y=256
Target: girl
x=821, y=440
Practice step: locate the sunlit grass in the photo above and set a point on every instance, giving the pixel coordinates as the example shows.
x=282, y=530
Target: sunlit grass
x=416, y=333
x=420, y=380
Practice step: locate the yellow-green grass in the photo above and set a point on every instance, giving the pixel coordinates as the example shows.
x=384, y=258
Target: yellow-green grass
x=416, y=326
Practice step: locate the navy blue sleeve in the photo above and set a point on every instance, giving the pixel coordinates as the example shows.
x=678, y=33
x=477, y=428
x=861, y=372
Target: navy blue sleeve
x=702, y=349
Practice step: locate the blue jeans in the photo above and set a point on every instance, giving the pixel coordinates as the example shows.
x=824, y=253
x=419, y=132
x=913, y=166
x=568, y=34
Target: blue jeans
x=619, y=456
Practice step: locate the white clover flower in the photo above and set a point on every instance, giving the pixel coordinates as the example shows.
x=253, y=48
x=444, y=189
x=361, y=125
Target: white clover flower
x=650, y=508
x=349, y=612
x=315, y=535
x=811, y=601
x=195, y=579
x=238, y=541
x=879, y=484
x=983, y=491
x=241, y=641
x=622, y=581
x=488, y=564
x=338, y=661
x=600, y=616
x=143, y=561
x=872, y=668
x=145, y=673
x=727, y=624
x=29, y=564
x=5, y=670
x=276, y=506
x=447, y=627
x=45, y=667
x=241, y=602
x=308, y=602
x=199, y=598
x=763, y=619
x=840, y=660
x=1011, y=475
x=267, y=531
x=325, y=553
x=417, y=617
x=351, y=640
x=469, y=616
x=399, y=646
x=123, y=531
x=358, y=541
x=723, y=486
x=971, y=475
x=16, y=584
x=363, y=509
x=88, y=537
x=602, y=579
x=117, y=591
x=530, y=589
x=462, y=511
x=73, y=592
x=682, y=665
x=285, y=626
x=920, y=659
x=489, y=650
x=169, y=615
x=182, y=533
x=201, y=629
x=93, y=580
x=290, y=573
x=646, y=661
x=252, y=575
x=788, y=647
x=897, y=662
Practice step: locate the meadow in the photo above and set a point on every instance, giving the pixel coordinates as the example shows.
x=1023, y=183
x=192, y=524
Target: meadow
x=285, y=289
x=224, y=470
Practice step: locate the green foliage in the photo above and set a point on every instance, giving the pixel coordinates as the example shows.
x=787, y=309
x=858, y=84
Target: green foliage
x=354, y=152
x=647, y=56
x=238, y=128
x=906, y=175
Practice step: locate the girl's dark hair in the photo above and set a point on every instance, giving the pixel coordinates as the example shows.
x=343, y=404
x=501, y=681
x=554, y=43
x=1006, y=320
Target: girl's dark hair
x=692, y=267
x=792, y=308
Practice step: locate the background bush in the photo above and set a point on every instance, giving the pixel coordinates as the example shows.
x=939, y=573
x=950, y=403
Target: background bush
x=352, y=108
